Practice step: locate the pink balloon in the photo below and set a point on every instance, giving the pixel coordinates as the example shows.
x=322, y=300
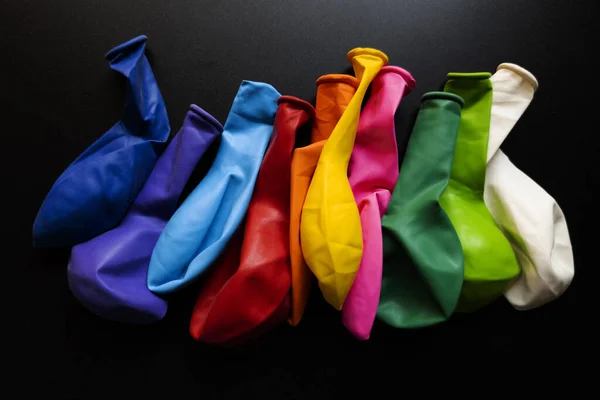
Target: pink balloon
x=372, y=173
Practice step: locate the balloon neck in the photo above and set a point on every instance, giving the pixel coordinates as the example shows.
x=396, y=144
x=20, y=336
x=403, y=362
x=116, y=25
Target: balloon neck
x=297, y=103
x=137, y=44
x=469, y=76
x=400, y=73
x=338, y=79
x=334, y=92
x=367, y=52
x=443, y=96
x=522, y=72
x=362, y=57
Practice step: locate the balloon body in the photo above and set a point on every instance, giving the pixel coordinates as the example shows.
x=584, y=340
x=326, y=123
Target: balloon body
x=372, y=173
x=254, y=293
x=530, y=218
x=334, y=92
x=423, y=260
x=92, y=195
x=198, y=231
x=330, y=231
x=108, y=274
x=537, y=230
x=490, y=262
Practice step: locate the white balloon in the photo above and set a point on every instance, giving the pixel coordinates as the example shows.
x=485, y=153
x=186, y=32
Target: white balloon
x=530, y=218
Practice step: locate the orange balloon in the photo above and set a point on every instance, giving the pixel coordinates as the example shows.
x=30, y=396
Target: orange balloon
x=334, y=92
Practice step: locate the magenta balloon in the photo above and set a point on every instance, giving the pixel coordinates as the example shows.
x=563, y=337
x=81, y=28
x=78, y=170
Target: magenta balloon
x=373, y=172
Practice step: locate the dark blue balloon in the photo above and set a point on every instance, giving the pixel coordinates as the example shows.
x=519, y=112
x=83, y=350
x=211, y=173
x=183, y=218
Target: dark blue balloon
x=94, y=192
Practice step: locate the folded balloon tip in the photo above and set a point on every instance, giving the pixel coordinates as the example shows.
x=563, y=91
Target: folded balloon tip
x=407, y=76
x=362, y=51
x=115, y=51
x=469, y=75
x=201, y=112
x=338, y=78
x=298, y=102
x=520, y=71
x=251, y=92
x=443, y=96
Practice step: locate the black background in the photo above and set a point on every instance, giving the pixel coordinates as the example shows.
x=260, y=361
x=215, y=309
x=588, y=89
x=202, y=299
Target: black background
x=58, y=95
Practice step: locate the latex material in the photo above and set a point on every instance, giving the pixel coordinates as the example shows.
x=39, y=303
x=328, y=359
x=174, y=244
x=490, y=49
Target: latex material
x=490, y=263
x=529, y=217
x=513, y=89
x=201, y=227
x=334, y=92
x=92, y=195
x=252, y=293
x=108, y=274
x=372, y=173
x=423, y=260
x=330, y=231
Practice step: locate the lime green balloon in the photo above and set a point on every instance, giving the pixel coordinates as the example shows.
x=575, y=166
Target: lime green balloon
x=490, y=263
x=423, y=258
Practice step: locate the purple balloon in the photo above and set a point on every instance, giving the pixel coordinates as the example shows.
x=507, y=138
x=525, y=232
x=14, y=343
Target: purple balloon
x=108, y=274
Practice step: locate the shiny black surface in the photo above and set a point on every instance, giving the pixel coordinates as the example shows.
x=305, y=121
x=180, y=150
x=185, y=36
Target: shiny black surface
x=58, y=95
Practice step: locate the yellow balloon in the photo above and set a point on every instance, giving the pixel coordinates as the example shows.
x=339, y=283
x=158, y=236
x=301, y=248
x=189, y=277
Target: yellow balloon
x=330, y=229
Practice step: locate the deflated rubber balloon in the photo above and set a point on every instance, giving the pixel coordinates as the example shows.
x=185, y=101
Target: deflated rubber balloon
x=330, y=231
x=372, y=172
x=529, y=217
x=254, y=294
x=513, y=89
x=423, y=259
x=334, y=92
x=490, y=262
x=108, y=274
x=94, y=192
x=199, y=230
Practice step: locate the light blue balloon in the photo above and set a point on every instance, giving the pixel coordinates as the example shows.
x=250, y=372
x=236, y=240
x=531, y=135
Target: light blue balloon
x=199, y=230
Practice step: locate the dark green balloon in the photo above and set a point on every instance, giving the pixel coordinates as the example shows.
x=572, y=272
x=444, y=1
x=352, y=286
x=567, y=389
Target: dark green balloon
x=423, y=259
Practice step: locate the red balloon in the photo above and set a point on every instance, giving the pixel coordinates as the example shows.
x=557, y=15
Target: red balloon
x=248, y=291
